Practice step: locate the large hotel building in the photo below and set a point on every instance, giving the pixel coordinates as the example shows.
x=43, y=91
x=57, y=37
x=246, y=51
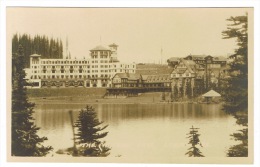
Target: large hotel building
x=95, y=71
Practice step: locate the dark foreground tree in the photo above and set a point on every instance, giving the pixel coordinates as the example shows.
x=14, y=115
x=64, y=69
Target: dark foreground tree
x=89, y=133
x=25, y=141
x=240, y=150
x=194, y=140
x=236, y=92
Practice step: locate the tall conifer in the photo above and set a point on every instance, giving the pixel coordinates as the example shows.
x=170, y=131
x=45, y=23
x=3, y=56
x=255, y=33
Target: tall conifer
x=25, y=141
x=236, y=92
x=194, y=140
x=89, y=134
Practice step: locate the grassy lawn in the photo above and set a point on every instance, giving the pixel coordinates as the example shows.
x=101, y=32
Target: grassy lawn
x=59, y=92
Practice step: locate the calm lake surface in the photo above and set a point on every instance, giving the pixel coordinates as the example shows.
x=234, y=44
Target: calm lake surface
x=143, y=130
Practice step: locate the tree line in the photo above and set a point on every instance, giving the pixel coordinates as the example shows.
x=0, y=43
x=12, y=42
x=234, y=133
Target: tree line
x=42, y=45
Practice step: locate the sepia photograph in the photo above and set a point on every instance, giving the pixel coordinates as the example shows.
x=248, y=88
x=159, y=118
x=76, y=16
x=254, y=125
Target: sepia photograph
x=130, y=85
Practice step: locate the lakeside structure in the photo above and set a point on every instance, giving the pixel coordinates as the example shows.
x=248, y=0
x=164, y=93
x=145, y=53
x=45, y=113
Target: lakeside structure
x=196, y=73
x=126, y=84
x=103, y=69
x=199, y=73
x=95, y=71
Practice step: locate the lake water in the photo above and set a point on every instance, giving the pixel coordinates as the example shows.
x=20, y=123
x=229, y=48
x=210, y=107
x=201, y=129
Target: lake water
x=144, y=130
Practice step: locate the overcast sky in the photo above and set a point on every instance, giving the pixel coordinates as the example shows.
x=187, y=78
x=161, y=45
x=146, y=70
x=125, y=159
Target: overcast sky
x=141, y=33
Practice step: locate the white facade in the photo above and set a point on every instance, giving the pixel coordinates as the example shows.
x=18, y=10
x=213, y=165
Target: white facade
x=95, y=71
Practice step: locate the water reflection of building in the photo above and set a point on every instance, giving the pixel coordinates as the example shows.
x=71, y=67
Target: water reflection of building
x=95, y=71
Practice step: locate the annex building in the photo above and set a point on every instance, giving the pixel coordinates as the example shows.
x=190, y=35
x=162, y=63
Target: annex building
x=95, y=71
x=197, y=74
x=188, y=76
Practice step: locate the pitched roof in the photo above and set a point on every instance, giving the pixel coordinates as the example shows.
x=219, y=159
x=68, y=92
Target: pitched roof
x=121, y=75
x=157, y=78
x=129, y=76
x=180, y=70
x=153, y=69
x=220, y=58
x=133, y=76
x=189, y=65
x=99, y=47
x=211, y=93
x=196, y=57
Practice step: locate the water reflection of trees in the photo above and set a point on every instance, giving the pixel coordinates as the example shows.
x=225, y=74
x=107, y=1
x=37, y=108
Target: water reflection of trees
x=53, y=116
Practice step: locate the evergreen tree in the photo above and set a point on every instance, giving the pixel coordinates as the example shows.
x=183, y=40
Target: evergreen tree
x=194, y=140
x=240, y=150
x=197, y=88
x=213, y=86
x=89, y=134
x=202, y=87
x=163, y=96
x=171, y=96
x=39, y=45
x=15, y=43
x=61, y=50
x=175, y=92
x=181, y=92
x=25, y=141
x=188, y=89
x=236, y=92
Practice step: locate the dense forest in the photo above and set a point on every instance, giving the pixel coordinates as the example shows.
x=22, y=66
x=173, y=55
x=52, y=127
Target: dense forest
x=42, y=45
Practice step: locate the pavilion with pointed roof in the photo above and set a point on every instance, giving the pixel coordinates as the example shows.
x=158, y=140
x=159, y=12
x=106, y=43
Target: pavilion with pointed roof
x=210, y=95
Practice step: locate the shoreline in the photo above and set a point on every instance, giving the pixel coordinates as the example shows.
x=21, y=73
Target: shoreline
x=96, y=96
x=99, y=100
